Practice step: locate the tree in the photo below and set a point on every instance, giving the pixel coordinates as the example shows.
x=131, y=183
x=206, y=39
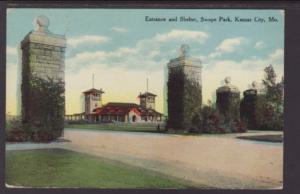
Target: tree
x=269, y=107
x=273, y=90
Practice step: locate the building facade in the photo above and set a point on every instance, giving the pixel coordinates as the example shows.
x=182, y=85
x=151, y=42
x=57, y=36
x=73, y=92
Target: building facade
x=127, y=113
x=147, y=100
x=184, y=93
x=117, y=111
x=92, y=100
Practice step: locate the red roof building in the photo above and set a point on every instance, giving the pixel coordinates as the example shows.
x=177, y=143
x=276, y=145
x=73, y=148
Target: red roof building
x=126, y=112
x=147, y=100
x=92, y=100
x=117, y=111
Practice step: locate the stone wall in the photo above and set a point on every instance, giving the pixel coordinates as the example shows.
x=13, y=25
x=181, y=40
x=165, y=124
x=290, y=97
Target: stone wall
x=46, y=61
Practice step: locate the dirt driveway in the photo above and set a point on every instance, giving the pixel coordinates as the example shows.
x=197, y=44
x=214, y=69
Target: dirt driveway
x=214, y=160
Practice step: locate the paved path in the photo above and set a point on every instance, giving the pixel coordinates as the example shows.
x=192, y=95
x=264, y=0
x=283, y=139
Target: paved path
x=214, y=160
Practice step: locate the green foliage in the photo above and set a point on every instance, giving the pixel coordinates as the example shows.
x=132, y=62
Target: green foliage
x=272, y=90
x=175, y=99
x=184, y=100
x=269, y=107
x=228, y=104
x=268, y=117
x=209, y=120
x=46, y=120
x=191, y=101
x=247, y=108
x=197, y=122
x=264, y=111
x=14, y=131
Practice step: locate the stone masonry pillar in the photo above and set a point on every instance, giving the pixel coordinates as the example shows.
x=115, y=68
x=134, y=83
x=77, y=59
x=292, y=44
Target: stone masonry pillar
x=43, y=55
x=248, y=106
x=228, y=101
x=184, y=94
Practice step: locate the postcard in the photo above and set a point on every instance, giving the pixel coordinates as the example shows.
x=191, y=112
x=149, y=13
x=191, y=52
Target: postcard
x=144, y=98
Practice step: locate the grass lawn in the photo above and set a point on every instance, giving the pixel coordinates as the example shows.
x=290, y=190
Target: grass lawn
x=115, y=127
x=63, y=168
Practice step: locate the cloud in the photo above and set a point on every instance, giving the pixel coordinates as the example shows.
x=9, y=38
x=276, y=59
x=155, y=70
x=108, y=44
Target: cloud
x=102, y=58
x=182, y=35
x=243, y=72
x=119, y=29
x=87, y=39
x=147, y=54
x=228, y=46
x=114, y=78
x=277, y=55
x=259, y=45
x=11, y=50
x=150, y=56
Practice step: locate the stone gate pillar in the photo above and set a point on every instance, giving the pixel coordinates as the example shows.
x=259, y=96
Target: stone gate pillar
x=228, y=101
x=248, y=106
x=43, y=55
x=184, y=94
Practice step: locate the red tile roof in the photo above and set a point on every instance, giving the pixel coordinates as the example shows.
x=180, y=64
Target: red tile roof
x=151, y=112
x=119, y=108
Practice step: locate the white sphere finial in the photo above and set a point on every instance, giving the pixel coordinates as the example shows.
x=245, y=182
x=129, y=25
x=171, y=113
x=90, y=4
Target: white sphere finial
x=254, y=84
x=227, y=80
x=184, y=50
x=43, y=23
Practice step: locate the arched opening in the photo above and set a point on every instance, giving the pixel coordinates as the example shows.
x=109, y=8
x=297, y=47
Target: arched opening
x=133, y=118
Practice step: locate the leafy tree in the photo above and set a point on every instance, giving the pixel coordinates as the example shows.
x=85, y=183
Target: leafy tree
x=273, y=91
x=269, y=107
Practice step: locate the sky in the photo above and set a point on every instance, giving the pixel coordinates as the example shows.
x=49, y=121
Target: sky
x=122, y=50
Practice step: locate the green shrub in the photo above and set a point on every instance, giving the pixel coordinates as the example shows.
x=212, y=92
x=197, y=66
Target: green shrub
x=209, y=120
x=267, y=116
x=15, y=131
x=44, y=119
x=184, y=100
x=269, y=107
